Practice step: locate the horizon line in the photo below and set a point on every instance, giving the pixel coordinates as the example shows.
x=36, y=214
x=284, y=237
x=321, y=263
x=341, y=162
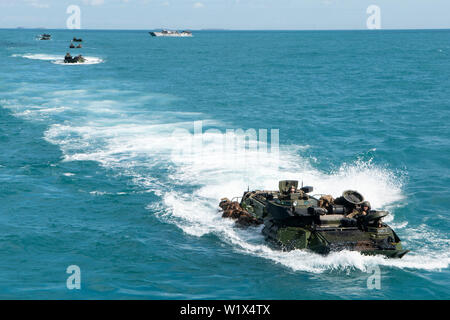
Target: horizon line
x=219, y=29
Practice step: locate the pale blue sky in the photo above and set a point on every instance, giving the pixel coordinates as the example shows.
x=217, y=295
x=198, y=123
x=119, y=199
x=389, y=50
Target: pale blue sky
x=226, y=14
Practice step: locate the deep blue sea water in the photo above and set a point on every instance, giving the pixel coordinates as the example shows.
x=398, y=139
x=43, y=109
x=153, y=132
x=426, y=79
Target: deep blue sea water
x=89, y=176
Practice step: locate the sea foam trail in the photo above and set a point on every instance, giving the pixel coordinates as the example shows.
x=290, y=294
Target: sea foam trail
x=57, y=59
x=138, y=145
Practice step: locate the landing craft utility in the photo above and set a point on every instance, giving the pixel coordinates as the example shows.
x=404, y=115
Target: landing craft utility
x=293, y=219
x=78, y=59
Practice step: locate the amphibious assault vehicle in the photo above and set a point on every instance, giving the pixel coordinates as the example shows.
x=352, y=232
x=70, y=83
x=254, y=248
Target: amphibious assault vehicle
x=294, y=219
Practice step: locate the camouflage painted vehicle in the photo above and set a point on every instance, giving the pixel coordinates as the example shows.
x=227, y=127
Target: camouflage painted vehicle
x=293, y=219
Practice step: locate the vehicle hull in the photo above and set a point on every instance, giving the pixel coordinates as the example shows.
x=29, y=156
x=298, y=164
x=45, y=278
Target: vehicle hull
x=293, y=219
x=324, y=240
x=174, y=35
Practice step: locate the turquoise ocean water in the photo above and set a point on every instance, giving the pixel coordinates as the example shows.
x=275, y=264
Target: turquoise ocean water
x=88, y=175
